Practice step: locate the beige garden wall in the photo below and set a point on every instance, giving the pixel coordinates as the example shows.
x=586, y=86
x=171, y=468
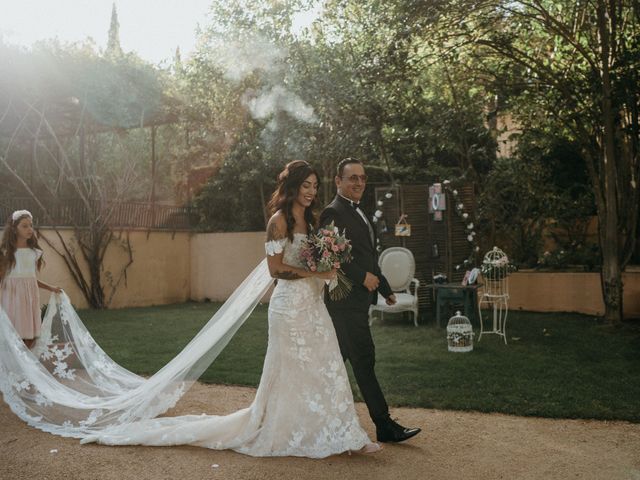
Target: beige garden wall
x=159, y=274
x=569, y=292
x=175, y=267
x=167, y=267
x=220, y=261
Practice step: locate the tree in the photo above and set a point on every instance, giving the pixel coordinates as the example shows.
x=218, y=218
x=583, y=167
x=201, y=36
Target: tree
x=572, y=66
x=353, y=71
x=51, y=148
x=114, y=50
x=239, y=86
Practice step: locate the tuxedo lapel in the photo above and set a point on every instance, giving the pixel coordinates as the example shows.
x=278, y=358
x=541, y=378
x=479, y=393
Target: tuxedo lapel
x=356, y=220
x=371, y=235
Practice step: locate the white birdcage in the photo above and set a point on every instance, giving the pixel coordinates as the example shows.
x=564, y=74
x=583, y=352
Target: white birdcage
x=495, y=291
x=459, y=334
x=495, y=269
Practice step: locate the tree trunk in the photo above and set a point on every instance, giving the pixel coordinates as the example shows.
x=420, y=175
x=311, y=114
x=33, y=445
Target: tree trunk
x=611, y=275
x=94, y=262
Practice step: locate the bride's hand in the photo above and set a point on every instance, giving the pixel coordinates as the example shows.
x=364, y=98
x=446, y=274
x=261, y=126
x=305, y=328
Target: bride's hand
x=330, y=275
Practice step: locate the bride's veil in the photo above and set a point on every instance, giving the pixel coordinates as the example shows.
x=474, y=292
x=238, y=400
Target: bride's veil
x=69, y=386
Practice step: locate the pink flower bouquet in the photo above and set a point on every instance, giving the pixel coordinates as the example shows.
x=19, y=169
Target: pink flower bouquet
x=326, y=250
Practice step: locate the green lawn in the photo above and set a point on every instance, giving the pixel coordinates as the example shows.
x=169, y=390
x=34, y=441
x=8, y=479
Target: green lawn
x=556, y=365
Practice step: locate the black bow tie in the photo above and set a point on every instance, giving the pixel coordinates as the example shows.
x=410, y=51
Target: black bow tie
x=350, y=202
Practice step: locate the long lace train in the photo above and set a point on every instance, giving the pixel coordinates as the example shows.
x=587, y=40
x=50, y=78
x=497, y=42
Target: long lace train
x=69, y=386
x=304, y=407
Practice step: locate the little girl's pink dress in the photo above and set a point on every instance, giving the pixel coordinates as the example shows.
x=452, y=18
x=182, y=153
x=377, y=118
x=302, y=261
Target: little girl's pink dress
x=19, y=294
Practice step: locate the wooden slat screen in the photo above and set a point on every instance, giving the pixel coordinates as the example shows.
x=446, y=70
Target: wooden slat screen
x=450, y=235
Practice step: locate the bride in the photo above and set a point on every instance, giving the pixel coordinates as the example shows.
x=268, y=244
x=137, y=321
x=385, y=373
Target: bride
x=303, y=405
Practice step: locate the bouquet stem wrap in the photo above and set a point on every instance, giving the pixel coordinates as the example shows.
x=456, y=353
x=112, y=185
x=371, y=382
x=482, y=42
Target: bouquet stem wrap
x=340, y=286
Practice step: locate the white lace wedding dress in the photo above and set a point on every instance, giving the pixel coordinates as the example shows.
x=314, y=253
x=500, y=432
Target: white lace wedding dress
x=303, y=405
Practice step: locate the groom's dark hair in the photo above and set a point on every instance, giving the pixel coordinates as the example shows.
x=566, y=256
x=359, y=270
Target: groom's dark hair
x=344, y=162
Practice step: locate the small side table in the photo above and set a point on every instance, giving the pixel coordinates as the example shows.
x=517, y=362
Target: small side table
x=446, y=293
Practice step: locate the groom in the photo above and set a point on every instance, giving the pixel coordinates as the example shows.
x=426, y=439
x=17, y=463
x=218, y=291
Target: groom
x=351, y=315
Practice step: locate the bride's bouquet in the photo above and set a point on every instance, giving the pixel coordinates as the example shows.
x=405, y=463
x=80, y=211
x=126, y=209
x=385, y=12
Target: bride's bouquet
x=326, y=250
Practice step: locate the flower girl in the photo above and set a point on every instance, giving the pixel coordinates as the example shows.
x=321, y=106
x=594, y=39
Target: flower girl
x=20, y=260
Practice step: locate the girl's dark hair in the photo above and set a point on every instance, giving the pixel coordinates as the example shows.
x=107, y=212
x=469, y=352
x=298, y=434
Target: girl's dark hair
x=9, y=245
x=289, y=182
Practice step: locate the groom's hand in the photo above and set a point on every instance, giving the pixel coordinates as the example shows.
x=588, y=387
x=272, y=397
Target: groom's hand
x=391, y=299
x=371, y=282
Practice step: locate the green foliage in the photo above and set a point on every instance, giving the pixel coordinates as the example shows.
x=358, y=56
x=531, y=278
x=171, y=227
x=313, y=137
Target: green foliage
x=72, y=86
x=541, y=193
x=513, y=207
x=114, y=49
x=412, y=88
x=571, y=256
x=370, y=100
x=235, y=198
x=570, y=206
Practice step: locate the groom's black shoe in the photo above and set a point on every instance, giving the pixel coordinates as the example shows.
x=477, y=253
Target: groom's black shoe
x=390, y=431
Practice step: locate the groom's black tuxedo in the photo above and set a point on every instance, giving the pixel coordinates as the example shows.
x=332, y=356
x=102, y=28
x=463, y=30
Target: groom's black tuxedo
x=365, y=257
x=351, y=315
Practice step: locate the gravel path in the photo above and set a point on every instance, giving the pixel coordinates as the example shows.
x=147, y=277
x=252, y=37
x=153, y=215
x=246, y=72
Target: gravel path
x=453, y=445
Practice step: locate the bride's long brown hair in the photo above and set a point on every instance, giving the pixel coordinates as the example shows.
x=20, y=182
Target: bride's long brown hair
x=9, y=245
x=289, y=182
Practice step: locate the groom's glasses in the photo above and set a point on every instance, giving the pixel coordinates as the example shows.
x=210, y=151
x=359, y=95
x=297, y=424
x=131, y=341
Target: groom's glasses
x=355, y=178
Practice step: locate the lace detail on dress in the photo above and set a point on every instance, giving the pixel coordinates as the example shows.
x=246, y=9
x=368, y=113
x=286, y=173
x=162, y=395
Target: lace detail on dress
x=275, y=247
x=305, y=367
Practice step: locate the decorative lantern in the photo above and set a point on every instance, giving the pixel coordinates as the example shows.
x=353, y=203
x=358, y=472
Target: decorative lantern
x=459, y=334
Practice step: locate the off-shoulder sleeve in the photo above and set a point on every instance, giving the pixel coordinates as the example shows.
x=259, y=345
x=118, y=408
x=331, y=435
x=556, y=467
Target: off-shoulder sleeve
x=275, y=247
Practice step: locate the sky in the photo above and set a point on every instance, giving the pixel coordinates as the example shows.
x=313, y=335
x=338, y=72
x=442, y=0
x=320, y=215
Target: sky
x=152, y=28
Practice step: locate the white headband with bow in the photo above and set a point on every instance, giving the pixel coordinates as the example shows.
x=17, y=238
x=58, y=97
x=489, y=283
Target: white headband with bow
x=20, y=213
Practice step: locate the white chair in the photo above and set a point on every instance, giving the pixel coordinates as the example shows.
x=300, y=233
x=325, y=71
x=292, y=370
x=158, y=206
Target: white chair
x=399, y=267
